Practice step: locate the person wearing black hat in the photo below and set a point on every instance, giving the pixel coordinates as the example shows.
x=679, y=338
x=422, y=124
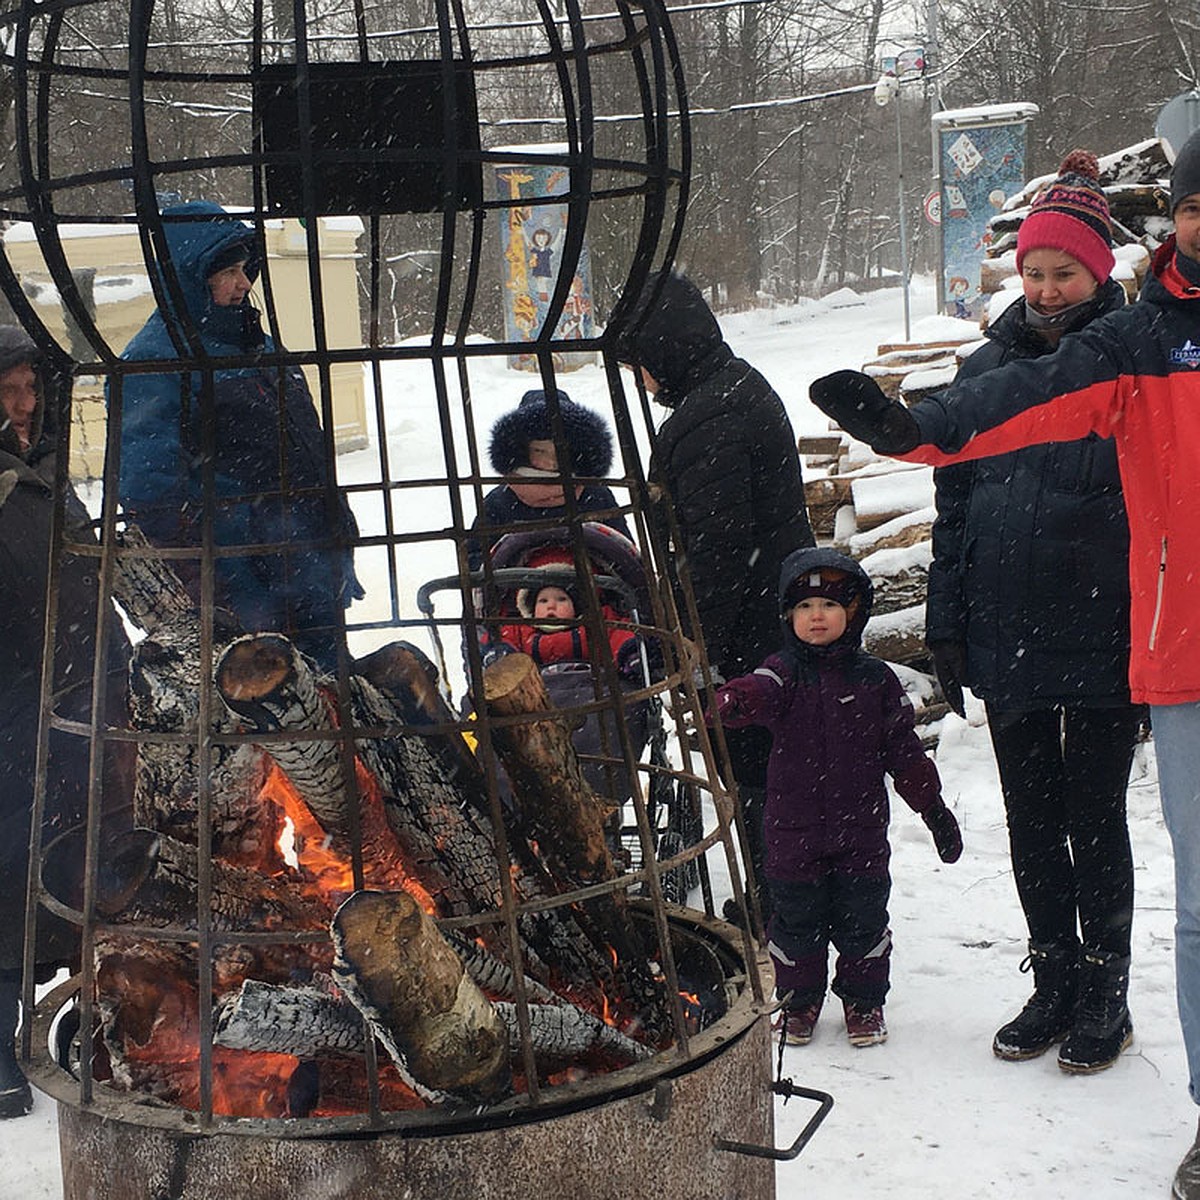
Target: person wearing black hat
x=267, y=445
x=1028, y=605
x=839, y=722
x=1134, y=376
x=726, y=458
x=27, y=503
x=522, y=447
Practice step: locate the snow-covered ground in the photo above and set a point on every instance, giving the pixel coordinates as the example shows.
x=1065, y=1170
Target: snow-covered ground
x=931, y=1113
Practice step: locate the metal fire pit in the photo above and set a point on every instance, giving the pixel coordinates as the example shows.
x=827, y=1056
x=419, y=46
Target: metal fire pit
x=698, y=1127
x=316, y=113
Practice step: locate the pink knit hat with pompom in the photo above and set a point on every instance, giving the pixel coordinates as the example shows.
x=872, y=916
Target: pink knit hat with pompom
x=1071, y=214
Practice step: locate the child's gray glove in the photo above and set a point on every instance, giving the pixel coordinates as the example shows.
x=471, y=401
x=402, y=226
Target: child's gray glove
x=947, y=837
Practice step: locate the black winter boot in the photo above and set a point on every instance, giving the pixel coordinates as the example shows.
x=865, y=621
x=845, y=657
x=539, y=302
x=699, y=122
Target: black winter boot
x=15, y=1097
x=1102, y=1027
x=1186, y=1185
x=1048, y=1013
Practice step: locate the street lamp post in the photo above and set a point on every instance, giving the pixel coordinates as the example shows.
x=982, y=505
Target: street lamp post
x=887, y=90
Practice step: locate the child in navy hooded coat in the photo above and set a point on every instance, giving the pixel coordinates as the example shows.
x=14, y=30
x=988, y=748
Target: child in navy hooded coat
x=840, y=722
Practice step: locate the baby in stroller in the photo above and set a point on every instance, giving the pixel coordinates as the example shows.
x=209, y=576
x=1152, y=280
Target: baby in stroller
x=540, y=603
x=530, y=599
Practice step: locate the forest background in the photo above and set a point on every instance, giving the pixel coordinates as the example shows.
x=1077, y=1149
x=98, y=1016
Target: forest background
x=794, y=187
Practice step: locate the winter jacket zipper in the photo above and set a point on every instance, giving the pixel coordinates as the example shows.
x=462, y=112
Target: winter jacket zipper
x=1158, y=594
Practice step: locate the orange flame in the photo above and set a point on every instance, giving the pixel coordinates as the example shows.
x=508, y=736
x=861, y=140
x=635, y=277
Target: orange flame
x=326, y=871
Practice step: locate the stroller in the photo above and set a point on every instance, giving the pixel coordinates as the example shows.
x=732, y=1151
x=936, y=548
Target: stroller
x=525, y=560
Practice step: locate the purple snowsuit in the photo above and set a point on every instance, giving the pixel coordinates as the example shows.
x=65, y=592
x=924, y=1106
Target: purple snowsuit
x=840, y=722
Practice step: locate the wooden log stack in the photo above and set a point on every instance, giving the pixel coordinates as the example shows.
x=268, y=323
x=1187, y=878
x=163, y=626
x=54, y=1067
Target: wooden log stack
x=391, y=821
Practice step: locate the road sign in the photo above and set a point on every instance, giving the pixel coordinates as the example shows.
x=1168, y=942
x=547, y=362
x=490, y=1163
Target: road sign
x=933, y=208
x=1178, y=120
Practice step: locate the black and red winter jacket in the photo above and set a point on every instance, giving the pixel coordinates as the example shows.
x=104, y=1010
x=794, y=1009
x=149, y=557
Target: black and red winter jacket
x=1133, y=375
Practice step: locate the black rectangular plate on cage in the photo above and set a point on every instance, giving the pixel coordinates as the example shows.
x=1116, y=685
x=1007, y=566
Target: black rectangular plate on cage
x=378, y=110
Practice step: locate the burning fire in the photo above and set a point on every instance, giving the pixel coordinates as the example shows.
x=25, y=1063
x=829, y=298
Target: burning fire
x=324, y=872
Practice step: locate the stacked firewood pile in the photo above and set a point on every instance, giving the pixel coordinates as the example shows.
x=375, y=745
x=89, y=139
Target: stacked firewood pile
x=349, y=884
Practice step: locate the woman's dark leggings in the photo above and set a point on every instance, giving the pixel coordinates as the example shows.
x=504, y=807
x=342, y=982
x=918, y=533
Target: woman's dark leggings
x=1064, y=771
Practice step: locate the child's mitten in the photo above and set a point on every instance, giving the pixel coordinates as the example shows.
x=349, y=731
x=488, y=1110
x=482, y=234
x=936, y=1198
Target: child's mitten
x=947, y=837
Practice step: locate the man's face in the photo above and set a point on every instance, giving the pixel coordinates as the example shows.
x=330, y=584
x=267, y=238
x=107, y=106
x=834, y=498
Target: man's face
x=1187, y=226
x=230, y=285
x=19, y=399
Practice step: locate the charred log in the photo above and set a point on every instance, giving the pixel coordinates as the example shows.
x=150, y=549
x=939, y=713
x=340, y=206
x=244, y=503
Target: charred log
x=163, y=675
x=167, y=872
x=304, y=1021
x=437, y=1026
x=148, y=589
x=442, y=825
x=308, y=1023
x=567, y=820
x=267, y=685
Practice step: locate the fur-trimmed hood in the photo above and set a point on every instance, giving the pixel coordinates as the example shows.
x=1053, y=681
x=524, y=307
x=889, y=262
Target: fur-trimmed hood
x=586, y=433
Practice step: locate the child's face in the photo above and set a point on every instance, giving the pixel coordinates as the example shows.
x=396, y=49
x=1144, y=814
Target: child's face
x=553, y=603
x=542, y=455
x=818, y=620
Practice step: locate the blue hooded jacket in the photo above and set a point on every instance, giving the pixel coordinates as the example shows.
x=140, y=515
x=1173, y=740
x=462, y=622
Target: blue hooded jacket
x=267, y=448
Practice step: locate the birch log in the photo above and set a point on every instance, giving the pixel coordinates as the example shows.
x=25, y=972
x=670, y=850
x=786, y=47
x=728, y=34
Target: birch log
x=563, y=814
x=437, y=1026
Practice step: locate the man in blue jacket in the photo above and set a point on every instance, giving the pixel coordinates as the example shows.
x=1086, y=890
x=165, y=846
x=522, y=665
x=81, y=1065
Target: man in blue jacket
x=253, y=424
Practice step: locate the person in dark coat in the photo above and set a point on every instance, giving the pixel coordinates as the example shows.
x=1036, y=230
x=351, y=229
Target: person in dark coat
x=839, y=723
x=1028, y=606
x=27, y=498
x=727, y=460
x=522, y=447
x=268, y=448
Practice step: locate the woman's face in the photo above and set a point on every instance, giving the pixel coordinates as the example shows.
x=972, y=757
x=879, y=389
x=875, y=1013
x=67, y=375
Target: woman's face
x=1052, y=280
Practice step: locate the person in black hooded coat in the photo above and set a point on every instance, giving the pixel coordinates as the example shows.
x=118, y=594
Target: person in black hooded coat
x=726, y=458
x=27, y=499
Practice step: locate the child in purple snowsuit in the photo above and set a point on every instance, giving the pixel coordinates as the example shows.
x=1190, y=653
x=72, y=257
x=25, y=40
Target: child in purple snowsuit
x=840, y=722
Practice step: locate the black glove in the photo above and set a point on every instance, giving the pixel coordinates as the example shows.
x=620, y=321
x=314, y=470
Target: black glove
x=629, y=660
x=857, y=404
x=492, y=651
x=947, y=837
x=950, y=666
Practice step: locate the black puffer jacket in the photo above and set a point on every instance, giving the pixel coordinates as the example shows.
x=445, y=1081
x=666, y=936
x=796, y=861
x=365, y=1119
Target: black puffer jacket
x=1031, y=555
x=26, y=510
x=727, y=460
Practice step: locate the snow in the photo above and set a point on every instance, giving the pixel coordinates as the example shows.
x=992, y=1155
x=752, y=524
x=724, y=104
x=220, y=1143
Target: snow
x=931, y=1112
x=879, y=496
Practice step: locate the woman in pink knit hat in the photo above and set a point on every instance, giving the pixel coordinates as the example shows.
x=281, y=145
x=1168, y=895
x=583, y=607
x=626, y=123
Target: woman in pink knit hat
x=1028, y=606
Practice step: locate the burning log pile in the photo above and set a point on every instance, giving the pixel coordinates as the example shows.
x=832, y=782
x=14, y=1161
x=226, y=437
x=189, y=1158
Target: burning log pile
x=340, y=850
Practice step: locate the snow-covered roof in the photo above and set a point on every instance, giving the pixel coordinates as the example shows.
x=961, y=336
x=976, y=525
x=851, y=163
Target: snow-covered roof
x=986, y=114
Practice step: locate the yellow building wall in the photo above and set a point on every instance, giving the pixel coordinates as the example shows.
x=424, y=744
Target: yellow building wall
x=124, y=300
